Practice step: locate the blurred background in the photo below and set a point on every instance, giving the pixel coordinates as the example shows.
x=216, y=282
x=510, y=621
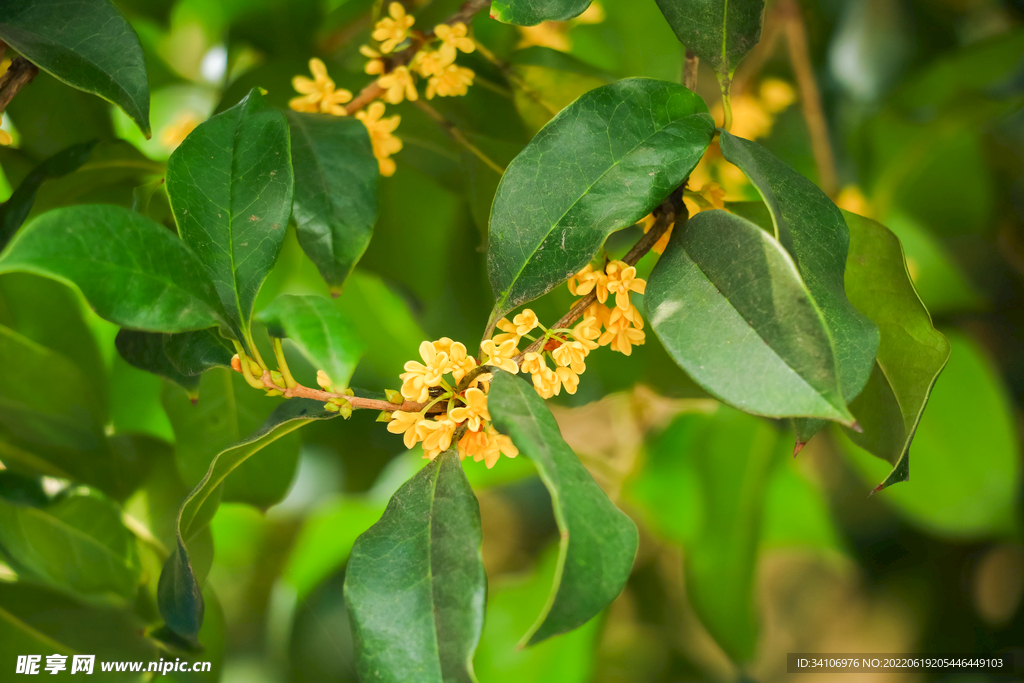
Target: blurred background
x=920, y=126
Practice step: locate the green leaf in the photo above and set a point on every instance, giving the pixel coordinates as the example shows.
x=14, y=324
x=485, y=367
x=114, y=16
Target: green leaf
x=15, y=210
x=602, y=164
x=335, y=191
x=967, y=465
x=324, y=335
x=598, y=541
x=553, y=80
x=193, y=353
x=720, y=32
x=145, y=351
x=532, y=12
x=133, y=271
x=728, y=305
x=912, y=352
x=415, y=584
x=76, y=544
x=230, y=187
x=85, y=43
x=226, y=410
x=178, y=594
x=813, y=231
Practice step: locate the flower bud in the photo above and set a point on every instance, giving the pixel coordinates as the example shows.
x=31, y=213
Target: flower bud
x=236, y=363
x=331, y=407
x=384, y=416
x=323, y=380
x=394, y=397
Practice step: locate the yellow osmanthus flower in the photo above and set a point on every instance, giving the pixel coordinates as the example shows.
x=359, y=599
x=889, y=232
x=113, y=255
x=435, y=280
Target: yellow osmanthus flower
x=429, y=63
x=474, y=412
x=532, y=362
x=437, y=436
x=587, y=331
x=399, y=85
x=622, y=280
x=375, y=66
x=393, y=30
x=571, y=355
x=418, y=378
x=501, y=355
x=508, y=330
x=453, y=81
x=623, y=331
x=487, y=445
x=546, y=382
x=589, y=280
x=568, y=379
x=382, y=135
x=319, y=94
x=406, y=424
x=459, y=358
x=525, y=321
x=5, y=138
x=453, y=38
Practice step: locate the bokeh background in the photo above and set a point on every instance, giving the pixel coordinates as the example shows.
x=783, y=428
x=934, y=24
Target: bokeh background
x=921, y=106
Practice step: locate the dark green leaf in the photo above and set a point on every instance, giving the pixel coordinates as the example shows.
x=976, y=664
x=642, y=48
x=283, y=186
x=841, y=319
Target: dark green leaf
x=598, y=541
x=193, y=353
x=728, y=304
x=226, y=410
x=812, y=230
x=335, y=191
x=912, y=352
x=415, y=584
x=15, y=210
x=76, y=544
x=85, y=43
x=532, y=12
x=230, y=186
x=601, y=165
x=324, y=335
x=145, y=351
x=967, y=463
x=133, y=271
x=720, y=32
x=178, y=594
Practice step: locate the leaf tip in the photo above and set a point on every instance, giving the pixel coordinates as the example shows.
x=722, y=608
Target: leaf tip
x=798, y=446
x=855, y=426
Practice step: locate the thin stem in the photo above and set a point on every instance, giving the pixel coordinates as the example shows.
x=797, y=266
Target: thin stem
x=282, y=364
x=244, y=368
x=810, y=96
x=457, y=135
x=255, y=352
x=724, y=82
x=18, y=75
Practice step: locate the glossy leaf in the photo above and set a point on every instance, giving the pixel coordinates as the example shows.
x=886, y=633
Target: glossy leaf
x=193, y=353
x=912, y=352
x=813, y=231
x=335, y=191
x=178, y=594
x=969, y=412
x=145, y=351
x=720, y=32
x=602, y=164
x=224, y=410
x=76, y=544
x=230, y=187
x=598, y=541
x=133, y=271
x=15, y=210
x=415, y=584
x=324, y=335
x=532, y=12
x=728, y=305
x=85, y=43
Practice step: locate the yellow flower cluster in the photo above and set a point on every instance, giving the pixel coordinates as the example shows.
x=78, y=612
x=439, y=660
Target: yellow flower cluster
x=622, y=323
x=710, y=196
x=424, y=382
x=434, y=60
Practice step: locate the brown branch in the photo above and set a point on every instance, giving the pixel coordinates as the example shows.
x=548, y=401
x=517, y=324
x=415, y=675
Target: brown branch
x=393, y=61
x=810, y=96
x=14, y=79
x=690, y=64
x=357, y=402
x=671, y=210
